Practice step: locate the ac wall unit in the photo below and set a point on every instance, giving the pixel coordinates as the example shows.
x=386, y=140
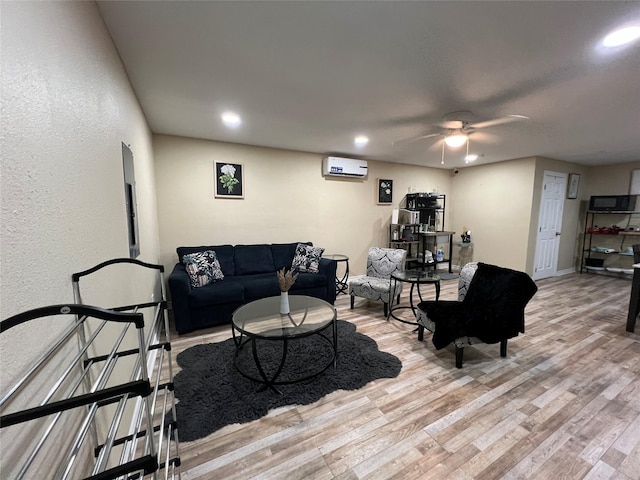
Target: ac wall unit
x=344, y=167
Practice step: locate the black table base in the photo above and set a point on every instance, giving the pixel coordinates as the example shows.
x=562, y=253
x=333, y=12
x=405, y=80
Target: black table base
x=420, y=280
x=270, y=380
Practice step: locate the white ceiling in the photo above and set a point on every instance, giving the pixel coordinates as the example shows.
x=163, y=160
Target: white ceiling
x=310, y=76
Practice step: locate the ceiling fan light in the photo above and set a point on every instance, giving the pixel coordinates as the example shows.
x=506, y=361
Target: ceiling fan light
x=456, y=140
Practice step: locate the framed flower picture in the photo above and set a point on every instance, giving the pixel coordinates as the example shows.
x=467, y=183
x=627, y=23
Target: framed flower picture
x=385, y=191
x=229, y=180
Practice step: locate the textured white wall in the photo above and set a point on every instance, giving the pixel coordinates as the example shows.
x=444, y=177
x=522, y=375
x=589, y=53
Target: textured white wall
x=286, y=199
x=66, y=107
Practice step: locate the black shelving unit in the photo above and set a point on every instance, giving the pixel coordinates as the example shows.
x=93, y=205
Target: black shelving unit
x=603, y=242
x=407, y=237
x=431, y=209
x=430, y=242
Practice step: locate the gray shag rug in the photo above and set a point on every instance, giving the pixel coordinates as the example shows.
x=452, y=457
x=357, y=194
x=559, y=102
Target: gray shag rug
x=211, y=393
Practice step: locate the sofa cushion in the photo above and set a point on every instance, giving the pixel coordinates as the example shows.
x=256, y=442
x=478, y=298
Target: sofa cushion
x=224, y=253
x=283, y=254
x=259, y=285
x=252, y=259
x=218, y=293
x=203, y=268
x=306, y=281
x=307, y=258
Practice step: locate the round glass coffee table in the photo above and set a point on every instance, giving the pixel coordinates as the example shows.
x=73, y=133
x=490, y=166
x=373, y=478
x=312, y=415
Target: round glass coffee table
x=414, y=277
x=260, y=321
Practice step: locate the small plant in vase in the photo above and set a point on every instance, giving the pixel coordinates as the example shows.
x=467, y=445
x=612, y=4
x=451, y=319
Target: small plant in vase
x=286, y=279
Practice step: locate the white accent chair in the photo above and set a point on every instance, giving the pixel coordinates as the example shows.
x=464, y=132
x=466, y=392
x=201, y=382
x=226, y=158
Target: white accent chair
x=376, y=285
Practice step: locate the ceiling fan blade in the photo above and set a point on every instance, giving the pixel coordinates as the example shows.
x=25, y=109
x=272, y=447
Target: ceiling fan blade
x=451, y=124
x=484, y=137
x=415, y=139
x=499, y=121
x=436, y=146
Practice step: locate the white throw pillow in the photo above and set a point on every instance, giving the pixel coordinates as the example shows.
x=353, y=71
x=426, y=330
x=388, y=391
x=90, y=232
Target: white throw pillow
x=307, y=258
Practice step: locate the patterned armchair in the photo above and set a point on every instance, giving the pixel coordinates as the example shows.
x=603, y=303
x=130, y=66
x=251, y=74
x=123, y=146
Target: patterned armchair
x=376, y=285
x=490, y=309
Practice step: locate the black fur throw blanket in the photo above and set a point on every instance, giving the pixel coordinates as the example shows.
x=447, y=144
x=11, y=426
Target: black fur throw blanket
x=492, y=310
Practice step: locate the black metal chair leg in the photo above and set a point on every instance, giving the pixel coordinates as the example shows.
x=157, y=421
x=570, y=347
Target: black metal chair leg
x=352, y=300
x=459, y=354
x=503, y=348
x=386, y=309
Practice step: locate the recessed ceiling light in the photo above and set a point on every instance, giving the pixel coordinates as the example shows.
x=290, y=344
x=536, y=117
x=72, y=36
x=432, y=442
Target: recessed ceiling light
x=361, y=141
x=471, y=158
x=231, y=120
x=622, y=36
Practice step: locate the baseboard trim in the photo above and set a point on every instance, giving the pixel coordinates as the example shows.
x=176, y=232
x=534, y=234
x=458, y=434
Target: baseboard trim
x=566, y=271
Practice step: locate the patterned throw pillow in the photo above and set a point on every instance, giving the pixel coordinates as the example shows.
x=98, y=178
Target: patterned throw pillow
x=307, y=258
x=203, y=268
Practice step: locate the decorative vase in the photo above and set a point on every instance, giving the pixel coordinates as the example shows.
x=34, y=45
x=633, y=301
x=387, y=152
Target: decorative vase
x=284, y=303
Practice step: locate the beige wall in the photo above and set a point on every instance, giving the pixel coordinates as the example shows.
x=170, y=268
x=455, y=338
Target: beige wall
x=66, y=107
x=495, y=202
x=610, y=180
x=500, y=203
x=569, y=249
x=286, y=199
x=601, y=180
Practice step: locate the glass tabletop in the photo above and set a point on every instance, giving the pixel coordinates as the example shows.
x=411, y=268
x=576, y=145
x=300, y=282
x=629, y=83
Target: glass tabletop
x=417, y=276
x=262, y=318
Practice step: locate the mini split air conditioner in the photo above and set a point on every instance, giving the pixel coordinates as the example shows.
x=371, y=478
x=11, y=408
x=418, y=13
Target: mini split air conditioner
x=344, y=167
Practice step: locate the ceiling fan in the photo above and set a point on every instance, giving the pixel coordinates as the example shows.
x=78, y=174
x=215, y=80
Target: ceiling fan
x=456, y=127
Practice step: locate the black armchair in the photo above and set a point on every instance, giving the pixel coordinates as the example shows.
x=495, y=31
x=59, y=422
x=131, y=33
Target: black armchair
x=490, y=309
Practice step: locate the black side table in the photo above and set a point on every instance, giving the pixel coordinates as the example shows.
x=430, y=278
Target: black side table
x=341, y=283
x=414, y=277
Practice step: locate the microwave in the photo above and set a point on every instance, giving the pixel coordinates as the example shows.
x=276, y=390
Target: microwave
x=612, y=203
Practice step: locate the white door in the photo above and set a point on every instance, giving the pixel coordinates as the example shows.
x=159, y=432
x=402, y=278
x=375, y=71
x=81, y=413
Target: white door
x=549, y=225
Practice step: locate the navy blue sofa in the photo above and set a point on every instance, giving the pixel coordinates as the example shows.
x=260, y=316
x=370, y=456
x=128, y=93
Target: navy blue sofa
x=249, y=274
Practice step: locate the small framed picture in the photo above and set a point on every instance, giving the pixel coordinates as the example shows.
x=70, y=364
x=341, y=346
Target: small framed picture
x=385, y=191
x=229, y=180
x=634, y=186
x=574, y=183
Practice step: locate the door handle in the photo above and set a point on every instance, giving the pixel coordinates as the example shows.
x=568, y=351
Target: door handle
x=558, y=234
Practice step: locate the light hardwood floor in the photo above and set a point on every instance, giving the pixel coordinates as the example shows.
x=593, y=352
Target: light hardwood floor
x=564, y=404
